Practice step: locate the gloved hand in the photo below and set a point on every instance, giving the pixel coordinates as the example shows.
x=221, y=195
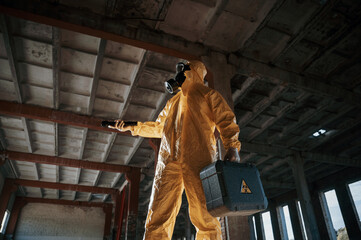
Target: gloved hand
x=120, y=125
x=232, y=155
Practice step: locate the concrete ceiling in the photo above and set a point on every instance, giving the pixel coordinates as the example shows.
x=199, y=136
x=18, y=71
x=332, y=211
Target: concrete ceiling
x=297, y=71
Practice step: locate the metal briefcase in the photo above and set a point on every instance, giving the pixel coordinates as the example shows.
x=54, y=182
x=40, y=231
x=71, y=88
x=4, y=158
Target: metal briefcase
x=233, y=189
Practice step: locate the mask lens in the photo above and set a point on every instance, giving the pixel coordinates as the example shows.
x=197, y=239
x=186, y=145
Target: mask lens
x=180, y=67
x=171, y=86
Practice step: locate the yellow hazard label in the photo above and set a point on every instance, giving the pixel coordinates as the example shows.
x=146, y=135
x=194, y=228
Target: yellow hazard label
x=245, y=188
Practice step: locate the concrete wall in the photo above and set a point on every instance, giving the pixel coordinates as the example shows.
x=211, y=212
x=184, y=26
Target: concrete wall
x=58, y=222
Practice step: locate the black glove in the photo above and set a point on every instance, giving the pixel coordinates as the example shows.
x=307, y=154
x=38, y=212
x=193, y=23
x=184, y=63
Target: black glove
x=108, y=123
x=113, y=123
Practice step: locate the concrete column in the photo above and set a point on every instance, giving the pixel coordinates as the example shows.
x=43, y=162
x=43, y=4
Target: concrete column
x=117, y=201
x=108, y=221
x=348, y=211
x=18, y=205
x=259, y=227
x=122, y=210
x=295, y=220
x=296, y=163
x=8, y=189
x=274, y=219
x=219, y=76
x=133, y=196
x=323, y=216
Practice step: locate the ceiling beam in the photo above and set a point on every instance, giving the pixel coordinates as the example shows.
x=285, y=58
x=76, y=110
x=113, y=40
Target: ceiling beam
x=274, y=165
x=56, y=38
x=94, y=87
x=63, y=186
x=89, y=23
x=310, y=156
x=10, y=51
x=105, y=156
x=326, y=158
x=277, y=75
x=309, y=114
x=347, y=175
x=51, y=115
x=261, y=106
x=67, y=162
x=274, y=184
x=65, y=202
x=10, y=48
x=278, y=116
x=265, y=149
x=322, y=123
x=247, y=86
x=338, y=130
x=248, y=157
x=213, y=17
x=80, y=157
x=297, y=36
x=96, y=74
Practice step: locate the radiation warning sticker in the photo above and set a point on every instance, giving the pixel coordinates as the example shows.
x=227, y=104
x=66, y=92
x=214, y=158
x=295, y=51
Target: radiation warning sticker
x=245, y=188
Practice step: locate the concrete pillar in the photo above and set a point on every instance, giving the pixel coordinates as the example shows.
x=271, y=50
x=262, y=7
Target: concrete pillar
x=133, y=196
x=18, y=205
x=117, y=201
x=121, y=208
x=259, y=227
x=275, y=222
x=108, y=221
x=296, y=163
x=219, y=75
x=348, y=210
x=295, y=220
x=8, y=189
x=323, y=217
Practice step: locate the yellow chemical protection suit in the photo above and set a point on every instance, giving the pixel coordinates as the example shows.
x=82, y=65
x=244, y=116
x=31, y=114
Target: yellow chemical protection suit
x=186, y=126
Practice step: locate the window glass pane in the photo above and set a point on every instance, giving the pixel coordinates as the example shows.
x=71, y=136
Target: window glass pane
x=335, y=212
x=355, y=189
x=288, y=222
x=267, y=225
x=303, y=223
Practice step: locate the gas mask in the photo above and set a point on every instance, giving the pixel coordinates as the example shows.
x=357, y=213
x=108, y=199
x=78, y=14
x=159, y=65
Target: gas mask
x=175, y=83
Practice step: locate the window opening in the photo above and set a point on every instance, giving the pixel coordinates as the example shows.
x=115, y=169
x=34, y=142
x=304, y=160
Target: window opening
x=335, y=212
x=288, y=222
x=355, y=189
x=267, y=225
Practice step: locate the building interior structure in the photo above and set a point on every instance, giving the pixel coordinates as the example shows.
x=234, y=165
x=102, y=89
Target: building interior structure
x=290, y=70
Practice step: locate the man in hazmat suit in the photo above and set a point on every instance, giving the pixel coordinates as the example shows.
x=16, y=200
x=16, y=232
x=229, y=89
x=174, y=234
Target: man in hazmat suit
x=186, y=127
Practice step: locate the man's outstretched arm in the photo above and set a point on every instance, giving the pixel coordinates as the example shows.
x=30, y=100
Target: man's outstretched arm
x=144, y=129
